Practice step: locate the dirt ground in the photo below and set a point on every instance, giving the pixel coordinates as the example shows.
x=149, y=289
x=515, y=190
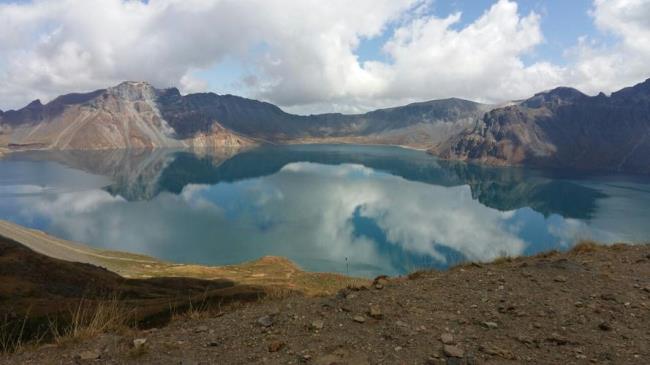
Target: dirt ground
x=591, y=305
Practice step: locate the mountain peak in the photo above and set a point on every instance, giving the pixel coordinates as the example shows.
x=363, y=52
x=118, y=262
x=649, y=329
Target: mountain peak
x=559, y=95
x=34, y=104
x=133, y=90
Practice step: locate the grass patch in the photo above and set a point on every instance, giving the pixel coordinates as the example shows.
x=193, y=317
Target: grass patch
x=92, y=318
x=11, y=333
x=584, y=247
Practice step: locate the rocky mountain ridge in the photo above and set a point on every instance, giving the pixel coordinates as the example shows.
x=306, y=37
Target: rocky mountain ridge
x=558, y=128
x=563, y=128
x=136, y=115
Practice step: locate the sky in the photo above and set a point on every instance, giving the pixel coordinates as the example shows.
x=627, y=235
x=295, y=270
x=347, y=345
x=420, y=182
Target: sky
x=313, y=56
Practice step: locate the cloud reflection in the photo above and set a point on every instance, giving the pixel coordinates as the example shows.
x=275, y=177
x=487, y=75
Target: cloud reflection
x=320, y=215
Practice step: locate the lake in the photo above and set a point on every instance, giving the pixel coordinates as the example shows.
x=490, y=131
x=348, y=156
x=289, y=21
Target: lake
x=362, y=210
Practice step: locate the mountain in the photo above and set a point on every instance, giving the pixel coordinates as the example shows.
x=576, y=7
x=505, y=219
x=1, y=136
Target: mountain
x=558, y=128
x=126, y=116
x=136, y=115
x=563, y=128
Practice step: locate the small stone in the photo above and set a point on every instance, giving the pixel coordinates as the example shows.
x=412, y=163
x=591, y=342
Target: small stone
x=200, y=329
x=379, y=286
x=491, y=325
x=276, y=346
x=604, y=326
x=381, y=281
x=89, y=355
x=523, y=339
x=497, y=351
x=447, y=339
x=560, y=279
x=453, y=351
x=557, y=339
x=608, y=296
x=401, y=324
x=265, y=321
x=317, y=325
x=359, y=319
x=139, y=343
x=579, y=304
x=375, y=312
x=213, y=344
x=398, y=348
x=435, y=361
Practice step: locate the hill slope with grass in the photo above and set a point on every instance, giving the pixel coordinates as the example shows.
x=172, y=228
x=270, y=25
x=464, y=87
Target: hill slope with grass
x=589, y=305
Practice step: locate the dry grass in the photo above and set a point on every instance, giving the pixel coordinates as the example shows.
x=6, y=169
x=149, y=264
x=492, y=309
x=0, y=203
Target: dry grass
x=585, y=247
x=11, y=334
x=92, y=318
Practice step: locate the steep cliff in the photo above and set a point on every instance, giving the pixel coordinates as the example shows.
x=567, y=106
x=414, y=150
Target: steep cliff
x=126, y=116
x=563, y=128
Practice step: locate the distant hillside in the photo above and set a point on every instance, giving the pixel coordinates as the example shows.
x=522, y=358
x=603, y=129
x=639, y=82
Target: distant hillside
x=136, y=115
x=563, y=128
x=558, y=128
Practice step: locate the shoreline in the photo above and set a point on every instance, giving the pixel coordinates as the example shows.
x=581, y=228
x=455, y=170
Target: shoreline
x=272, y=271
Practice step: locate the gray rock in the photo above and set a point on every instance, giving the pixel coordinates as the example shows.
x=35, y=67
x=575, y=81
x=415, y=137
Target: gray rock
x=265, y=321
x=491, y=325
x=90, y=355
x=317, y=325
x=139, y=343
x=560, y=279
x=447, y=339
x=453, y=351
x=375, y=312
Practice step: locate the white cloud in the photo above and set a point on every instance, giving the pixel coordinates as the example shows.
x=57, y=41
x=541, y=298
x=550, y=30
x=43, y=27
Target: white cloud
x=607, y=67
x=302, y=54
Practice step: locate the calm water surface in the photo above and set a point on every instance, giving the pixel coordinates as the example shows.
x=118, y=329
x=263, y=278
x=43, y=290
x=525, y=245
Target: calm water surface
x=362, y=210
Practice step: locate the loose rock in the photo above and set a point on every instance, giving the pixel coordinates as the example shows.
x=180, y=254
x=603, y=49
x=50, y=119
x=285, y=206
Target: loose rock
x=604, y=326
x=453, y=351
x=491, y=325
x=447, y=339
x=560, y=279
x=375, y=312
x=89, y=355
x=265, y=321
x=359, y=319
x=276, y=346
x=317, y=325
x=139, y=343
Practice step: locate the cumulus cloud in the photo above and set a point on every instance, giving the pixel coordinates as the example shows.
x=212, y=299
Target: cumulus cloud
x=303, y=55
x=599, y=66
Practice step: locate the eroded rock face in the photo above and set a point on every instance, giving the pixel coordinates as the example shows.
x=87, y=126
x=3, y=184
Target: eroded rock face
x=126, y=116
x=136, y=115
x=563, y=128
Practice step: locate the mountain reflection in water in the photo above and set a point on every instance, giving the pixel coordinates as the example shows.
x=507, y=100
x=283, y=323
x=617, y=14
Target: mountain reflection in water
x=385, y=210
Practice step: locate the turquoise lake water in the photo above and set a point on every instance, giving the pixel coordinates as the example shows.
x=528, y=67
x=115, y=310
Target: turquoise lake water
x=361, y=210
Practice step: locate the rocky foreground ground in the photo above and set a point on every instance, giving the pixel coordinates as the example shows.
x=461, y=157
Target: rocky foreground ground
x=590, y=305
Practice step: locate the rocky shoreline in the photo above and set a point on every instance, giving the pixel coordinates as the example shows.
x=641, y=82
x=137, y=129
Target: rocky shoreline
x=588, y=305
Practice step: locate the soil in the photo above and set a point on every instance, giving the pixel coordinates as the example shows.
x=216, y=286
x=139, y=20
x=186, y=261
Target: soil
x=589, y=305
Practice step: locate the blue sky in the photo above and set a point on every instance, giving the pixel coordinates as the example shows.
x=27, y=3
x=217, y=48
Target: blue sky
x=313, y=56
